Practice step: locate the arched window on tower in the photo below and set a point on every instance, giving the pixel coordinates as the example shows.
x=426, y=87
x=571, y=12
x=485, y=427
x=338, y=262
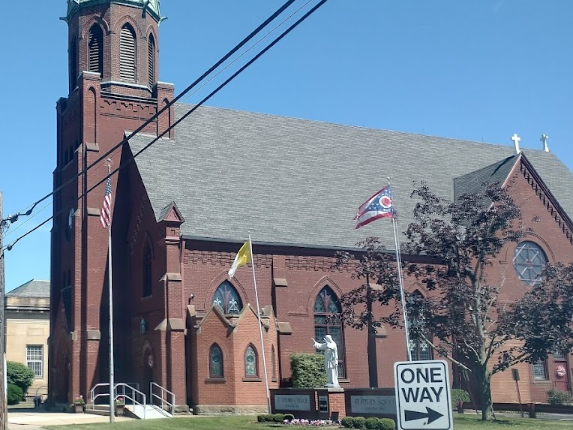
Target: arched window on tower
x=216, y=369
x=227, y=298
x=95, y=50
x=147, y=270
x=127, y=54
x=251, y=362
x=151, y=61
x=73, y=59
x=327, y=320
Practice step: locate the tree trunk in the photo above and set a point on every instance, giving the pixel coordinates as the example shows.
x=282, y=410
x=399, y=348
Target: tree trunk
x=483, y=377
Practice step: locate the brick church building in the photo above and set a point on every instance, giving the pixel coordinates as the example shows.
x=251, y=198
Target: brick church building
x=182, y=207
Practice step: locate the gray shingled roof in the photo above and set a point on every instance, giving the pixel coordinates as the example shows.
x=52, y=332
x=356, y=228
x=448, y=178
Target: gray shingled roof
x=473, y=181
x=32, y=288
x=293, y=181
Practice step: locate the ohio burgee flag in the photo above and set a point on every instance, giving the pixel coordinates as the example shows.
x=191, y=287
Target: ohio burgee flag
x=380, y=205
x=243, y=257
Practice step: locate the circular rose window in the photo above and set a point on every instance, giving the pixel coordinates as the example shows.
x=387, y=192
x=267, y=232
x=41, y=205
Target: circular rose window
x=529, y=261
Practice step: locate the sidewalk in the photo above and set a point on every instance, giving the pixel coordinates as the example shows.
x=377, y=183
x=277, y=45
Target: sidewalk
x=35, y=420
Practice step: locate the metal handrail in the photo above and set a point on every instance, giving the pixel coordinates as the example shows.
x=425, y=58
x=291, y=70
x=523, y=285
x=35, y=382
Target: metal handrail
x=94, y=396
x=129, y=393
x=164, y=393
x=40, y=388
x=132, y=397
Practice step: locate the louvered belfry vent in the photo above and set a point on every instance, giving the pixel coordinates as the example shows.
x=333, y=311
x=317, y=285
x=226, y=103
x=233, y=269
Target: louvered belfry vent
x=73, y=58
x=127, y=54
x=151, y=61
x=95, y=45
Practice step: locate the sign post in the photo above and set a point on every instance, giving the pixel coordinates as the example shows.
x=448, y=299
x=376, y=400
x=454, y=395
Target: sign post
x=423, y=397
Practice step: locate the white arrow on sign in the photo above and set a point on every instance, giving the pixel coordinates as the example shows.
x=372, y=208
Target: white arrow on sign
x=423, y=398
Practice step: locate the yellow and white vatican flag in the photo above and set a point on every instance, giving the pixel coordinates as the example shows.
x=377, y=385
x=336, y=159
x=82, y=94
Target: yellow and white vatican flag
x=243, y=258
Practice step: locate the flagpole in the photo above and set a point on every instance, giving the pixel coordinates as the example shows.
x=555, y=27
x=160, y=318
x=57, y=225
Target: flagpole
x=111, y=364
x=260, y=327
x=401, y=282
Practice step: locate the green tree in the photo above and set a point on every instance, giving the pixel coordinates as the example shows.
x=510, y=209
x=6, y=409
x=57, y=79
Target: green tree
x=468, y=322
x=376, y=268
x=20, y=375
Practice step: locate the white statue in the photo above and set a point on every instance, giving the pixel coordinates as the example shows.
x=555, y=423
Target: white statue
x=330, y=360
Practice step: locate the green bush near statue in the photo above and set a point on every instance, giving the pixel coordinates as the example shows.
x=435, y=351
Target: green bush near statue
x=307, y=370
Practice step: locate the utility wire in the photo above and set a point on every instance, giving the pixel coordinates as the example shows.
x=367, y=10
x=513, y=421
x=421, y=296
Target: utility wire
x=279, y=11
x=247, y=50
x=238, y=72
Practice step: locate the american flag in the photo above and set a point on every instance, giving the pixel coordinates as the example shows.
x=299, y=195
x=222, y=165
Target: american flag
x=380, y=205
x=105, y=216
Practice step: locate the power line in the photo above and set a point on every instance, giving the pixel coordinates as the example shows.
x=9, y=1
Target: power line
x=125, y=140
x=271, y=18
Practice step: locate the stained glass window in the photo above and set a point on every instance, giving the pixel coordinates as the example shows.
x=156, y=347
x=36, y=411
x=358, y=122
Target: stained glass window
x=419, y=348
x=529, y=261
x=215, y=362
x=147, y=273
x=327, y=321
x=227, y=298
x=251, y=365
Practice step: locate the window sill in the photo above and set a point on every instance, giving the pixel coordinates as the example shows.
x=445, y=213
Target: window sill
x=215, y=380
x=252, y=379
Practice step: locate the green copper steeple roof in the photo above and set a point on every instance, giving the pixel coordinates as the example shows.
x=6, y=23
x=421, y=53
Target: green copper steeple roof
x=151, y=6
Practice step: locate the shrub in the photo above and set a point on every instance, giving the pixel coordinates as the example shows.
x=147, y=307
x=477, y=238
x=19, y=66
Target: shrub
x=307, y=370
x=556, y=397
x=15, y=394
x=20, y=375
x=386, y=424
x=457, y=395
x=347, y=422
x=271, y=418
x=289, y=417
x=359, y=422
x=371, y=423
x=278, y=418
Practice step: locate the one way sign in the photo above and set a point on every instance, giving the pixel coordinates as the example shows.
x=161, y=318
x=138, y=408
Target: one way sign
x=423, y=398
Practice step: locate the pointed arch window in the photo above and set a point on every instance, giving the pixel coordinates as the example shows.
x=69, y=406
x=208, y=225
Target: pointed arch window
x=151, y=61
x=95, y=50
x=73, y=59
x=327, y=320
x=419, y=348
x=273, y=364
x=127, y=54
x=227, y=298
x=251, y=362
x=216, y=369
x=147, y=270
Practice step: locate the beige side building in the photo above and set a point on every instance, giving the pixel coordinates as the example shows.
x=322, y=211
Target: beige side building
x=27, y=330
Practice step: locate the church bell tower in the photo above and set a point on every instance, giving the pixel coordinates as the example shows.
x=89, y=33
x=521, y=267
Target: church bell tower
x=113, y=67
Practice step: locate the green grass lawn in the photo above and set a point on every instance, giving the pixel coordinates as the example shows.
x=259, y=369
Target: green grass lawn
x=461, y=422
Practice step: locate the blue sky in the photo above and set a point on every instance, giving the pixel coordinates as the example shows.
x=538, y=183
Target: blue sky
x=479, y=70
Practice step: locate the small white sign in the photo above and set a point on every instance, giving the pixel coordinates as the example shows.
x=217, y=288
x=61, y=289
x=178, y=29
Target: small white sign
x=423, y=397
